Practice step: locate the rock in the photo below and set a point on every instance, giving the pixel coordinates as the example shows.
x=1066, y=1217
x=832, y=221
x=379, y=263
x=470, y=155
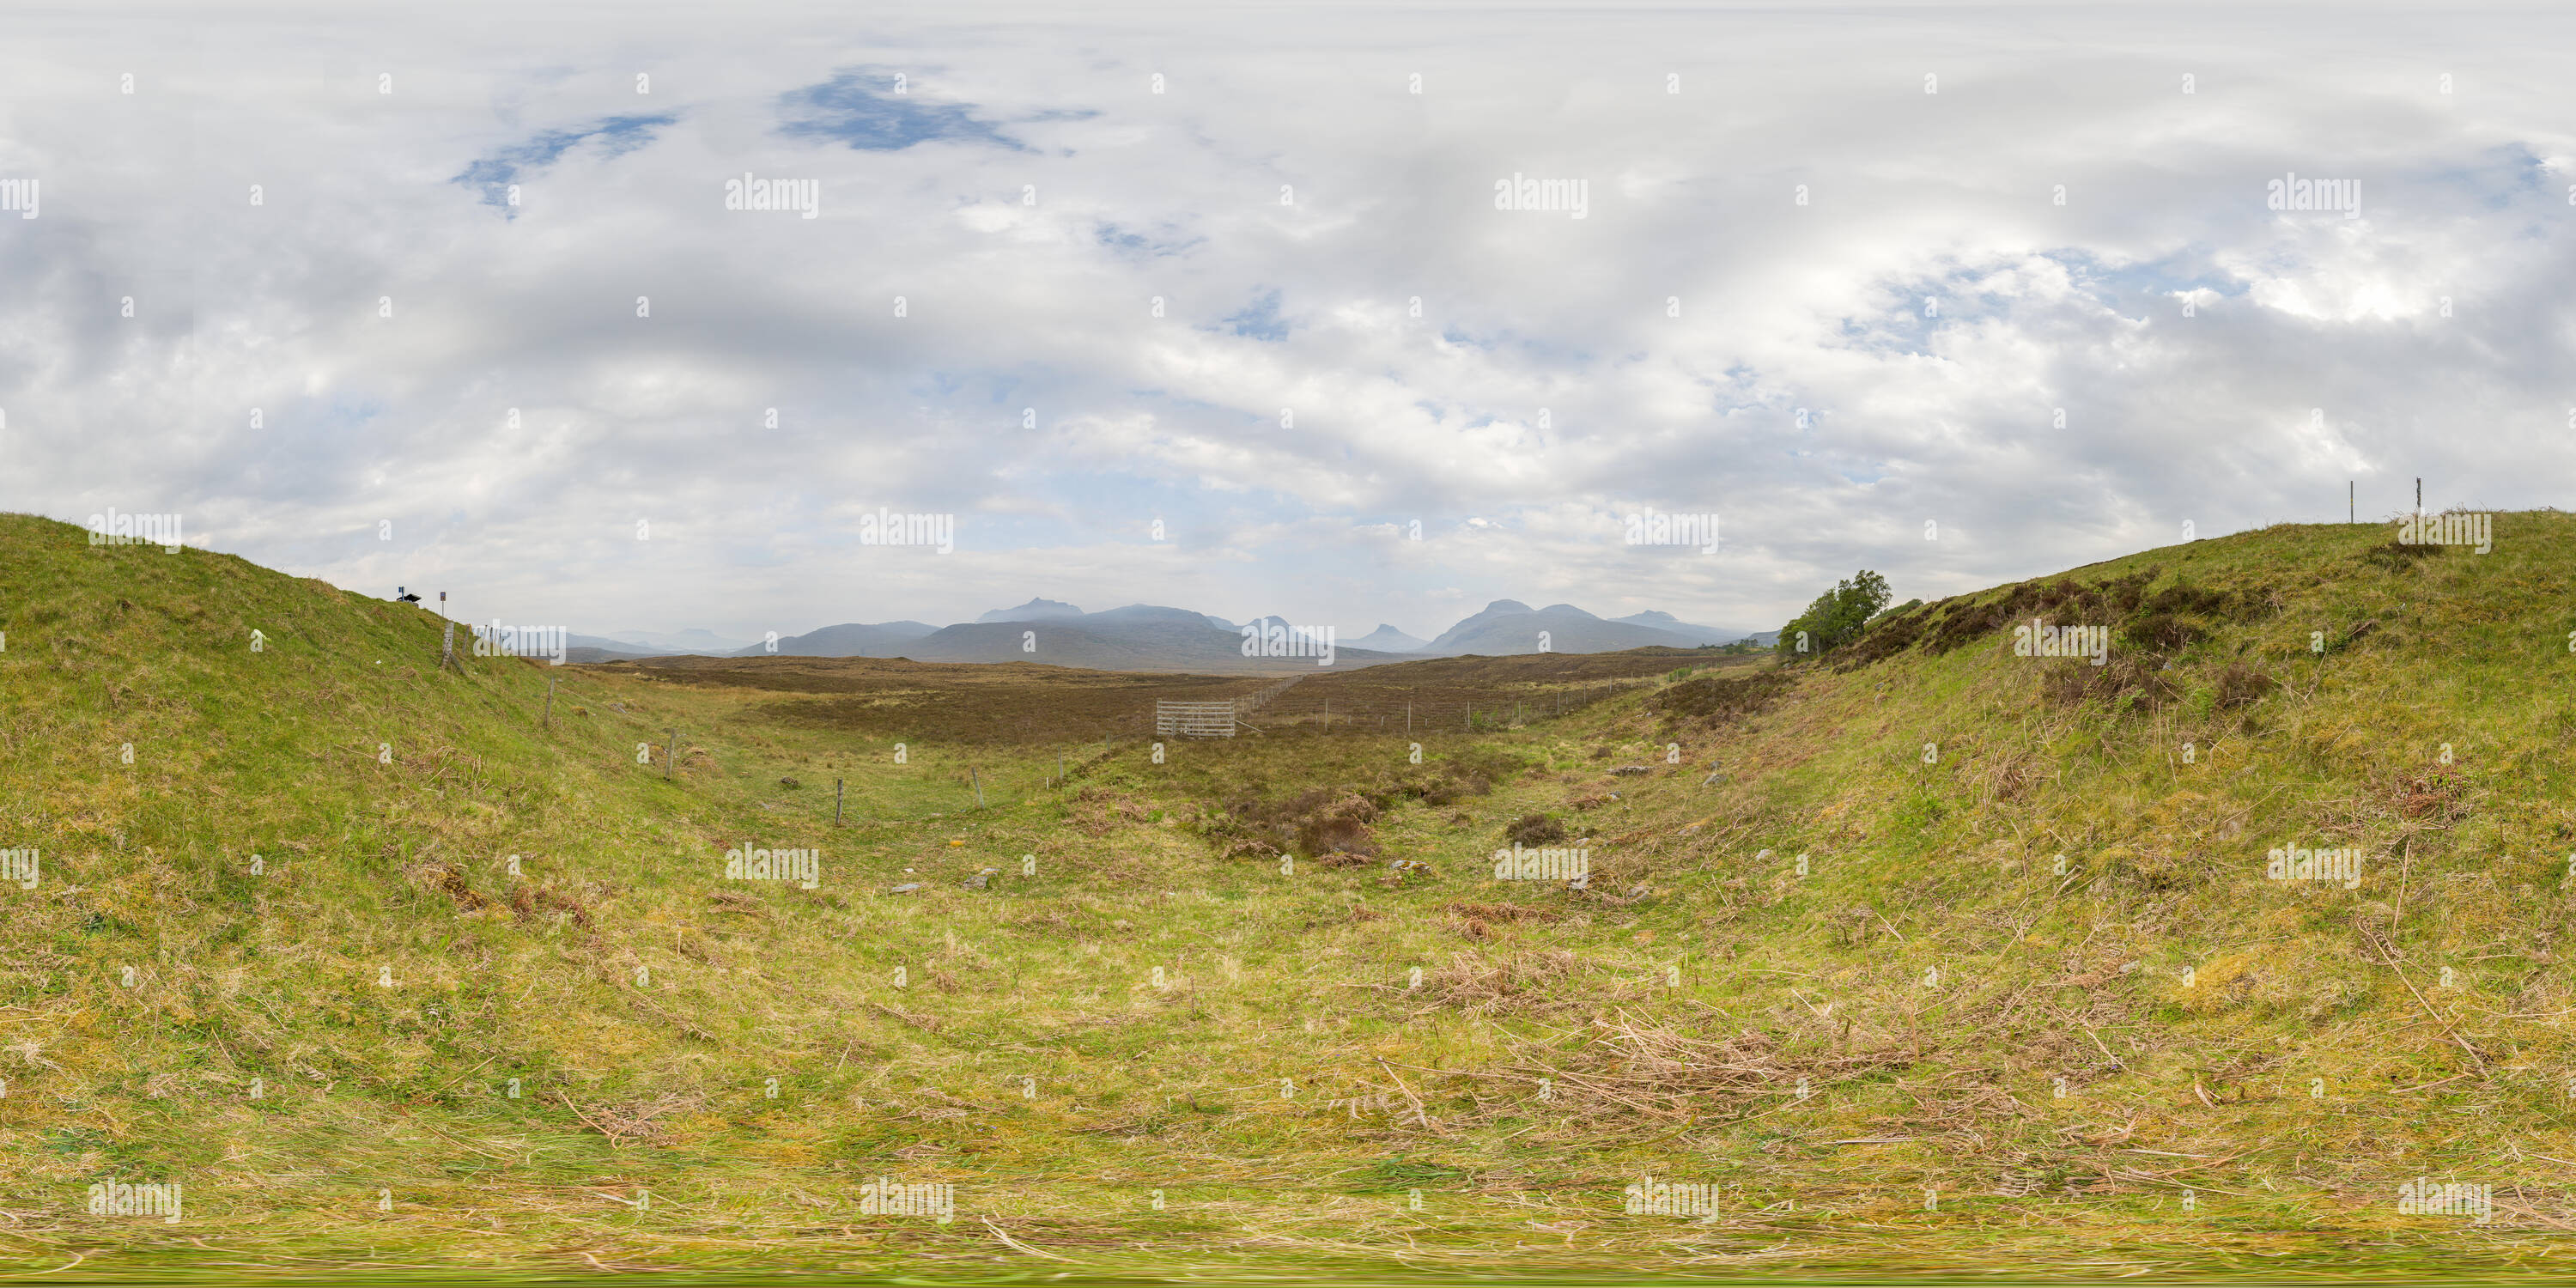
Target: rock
x=1633, y=769
x=977, y=881
x=789, y=782
x=906, y=888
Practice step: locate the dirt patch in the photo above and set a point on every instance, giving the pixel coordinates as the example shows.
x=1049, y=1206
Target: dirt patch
x=2242, y=684
x=2142, y=682
x=535, y=903
x=1714, y=700
x=1624, y=1069
x=439, y=876
x=2398, y=557
x=1505, y=912
x=2441, y=795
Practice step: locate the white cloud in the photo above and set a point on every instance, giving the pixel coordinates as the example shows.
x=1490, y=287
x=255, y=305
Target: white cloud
x=1398, y=418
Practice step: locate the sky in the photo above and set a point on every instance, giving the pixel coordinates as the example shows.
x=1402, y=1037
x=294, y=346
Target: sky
x=1213, y=306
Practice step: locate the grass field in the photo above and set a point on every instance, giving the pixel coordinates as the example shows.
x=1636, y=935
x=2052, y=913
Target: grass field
x=1921, y=958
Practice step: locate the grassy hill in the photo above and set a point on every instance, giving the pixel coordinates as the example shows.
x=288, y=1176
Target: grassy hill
x=1921, y=954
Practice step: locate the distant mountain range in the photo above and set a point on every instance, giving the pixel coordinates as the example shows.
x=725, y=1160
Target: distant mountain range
x=1146, y=637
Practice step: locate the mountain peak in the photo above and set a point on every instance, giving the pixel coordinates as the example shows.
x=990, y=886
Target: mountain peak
x=1032, y=611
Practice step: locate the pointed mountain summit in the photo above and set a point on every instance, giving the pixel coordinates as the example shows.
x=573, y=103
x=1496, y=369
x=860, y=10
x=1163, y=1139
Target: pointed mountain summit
x=1387, y=639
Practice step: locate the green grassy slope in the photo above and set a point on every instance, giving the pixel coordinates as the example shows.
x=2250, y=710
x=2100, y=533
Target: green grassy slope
x=1168, y=1048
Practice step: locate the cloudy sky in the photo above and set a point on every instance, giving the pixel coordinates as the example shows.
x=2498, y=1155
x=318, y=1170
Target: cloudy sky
x=1844, y=278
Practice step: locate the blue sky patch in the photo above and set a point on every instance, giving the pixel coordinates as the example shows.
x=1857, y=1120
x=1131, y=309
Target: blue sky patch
x=846, y=109
x=495, y=171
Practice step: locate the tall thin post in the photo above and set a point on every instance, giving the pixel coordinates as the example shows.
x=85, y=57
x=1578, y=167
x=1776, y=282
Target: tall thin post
x=978, y=780
x=1408, y=720
x=2351, y=501
x=836, y=802
x=670, y=755
x=2419, y=503
x=549, y=717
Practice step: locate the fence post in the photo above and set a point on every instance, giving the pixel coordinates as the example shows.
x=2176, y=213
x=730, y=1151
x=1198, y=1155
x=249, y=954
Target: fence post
x=670, y=755
x=1408, y=720
x=549, y=717
x=836, y=802
x=978, y=780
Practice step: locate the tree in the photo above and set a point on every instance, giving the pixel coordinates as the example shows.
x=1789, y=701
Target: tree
x=1837, y=617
